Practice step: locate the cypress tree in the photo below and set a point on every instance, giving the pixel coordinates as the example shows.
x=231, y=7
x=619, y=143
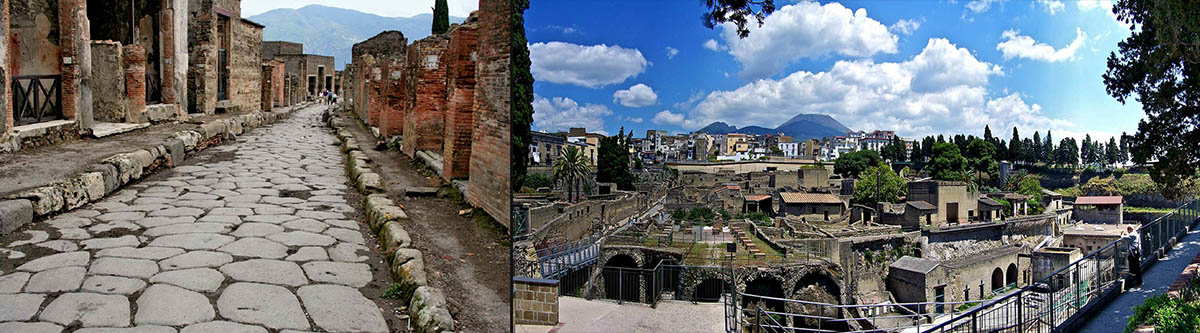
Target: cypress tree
x=441, y=17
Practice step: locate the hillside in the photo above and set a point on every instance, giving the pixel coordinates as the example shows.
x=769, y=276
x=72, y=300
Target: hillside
x=800, y=127
x=333, y=31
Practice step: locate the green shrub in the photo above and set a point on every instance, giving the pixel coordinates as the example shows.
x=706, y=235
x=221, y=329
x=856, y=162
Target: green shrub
x=1168, y=315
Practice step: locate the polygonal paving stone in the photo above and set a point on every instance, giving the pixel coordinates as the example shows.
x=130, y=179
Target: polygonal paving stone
x=348, y=224
x=35, y=236
x=60, y=245
x=158, y=221
x=257, y=230
x=302, y=238
x=275, y=211
x=91, y=310
x=275, y=219
x=106, y=243
x=195, y=259
x=78, y=258
x=136, y=329
x=195, y=279
x=309, y=253
x=121, y=216
x=320, y=215
x=19, y=307
x=74, y=233
x=63, y=222
x=145, y=207
x=110, y=226
x=30, y=327
x=309, y=225
x=350, y=274
x=149, y=252
x=222, y=327
x=13, y=282
x=113, y=285
x=227, y=219
x=164, y=304
x=227, y=211
x=346, y=235
x=178, y=211
x=255, y=247
x=193, y=241
x=56, y=280
x=139, y=268
x=266, y=271
x=198, y=196
x=337, y=308
x=202, y=204
x=268, y=305
x=188, y=229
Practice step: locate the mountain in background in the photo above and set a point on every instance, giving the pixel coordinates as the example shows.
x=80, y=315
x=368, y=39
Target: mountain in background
x=800, y=127
x=334, y=31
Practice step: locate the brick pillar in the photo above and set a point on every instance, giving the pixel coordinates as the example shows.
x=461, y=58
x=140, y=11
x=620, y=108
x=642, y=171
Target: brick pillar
x=167, y=37
x=135, y=81
x=75, y=40
x=490, y=153
x=423, y=123
x=460, y=100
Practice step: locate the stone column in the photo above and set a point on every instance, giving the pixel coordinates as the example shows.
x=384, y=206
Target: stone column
x=178, y=13
x=75, y=34
x=135, y=82
x=6, y=110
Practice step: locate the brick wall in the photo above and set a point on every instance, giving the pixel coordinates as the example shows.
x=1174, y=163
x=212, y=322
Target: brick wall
x=490, y=155
x=272, y=84
x=272, y=49
x=535, y=302
x=245, y=72
x=202, y=62
x=460, y=99
x=388, y=97
x=427, y=77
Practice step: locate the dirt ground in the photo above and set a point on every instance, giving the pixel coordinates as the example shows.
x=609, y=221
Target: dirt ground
x=465, y=256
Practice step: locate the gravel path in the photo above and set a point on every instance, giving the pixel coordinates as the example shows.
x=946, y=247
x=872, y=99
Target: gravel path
x=251, y=236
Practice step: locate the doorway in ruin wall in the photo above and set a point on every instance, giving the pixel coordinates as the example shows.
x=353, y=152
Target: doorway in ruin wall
x=133, y=22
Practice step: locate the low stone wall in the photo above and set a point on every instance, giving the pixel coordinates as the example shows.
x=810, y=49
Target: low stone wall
x=116, y=171
x=535, y=301
x=428, y=304
x=1190, y=273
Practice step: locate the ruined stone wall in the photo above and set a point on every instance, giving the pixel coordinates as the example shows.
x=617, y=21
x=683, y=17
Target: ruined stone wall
x=108, y=100
x=36, y=37
x=387, y=96
x=423, y=125
x=245, y=73
x=460, y=100
x=490, y=154
x=202, y=62
x=367, y=80
x=273, y=49
x=272, y=84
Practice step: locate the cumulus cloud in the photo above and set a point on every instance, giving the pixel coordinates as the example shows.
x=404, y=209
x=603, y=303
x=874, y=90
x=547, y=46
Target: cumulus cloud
x=666, y=117
x=637, y=96
x=672, y=52
x=1052, y=6
x=905, y=26
x=1016, y=45
x=712, y=44
x=562, y=113
x=587, y=66
x=979, y=6
x=943, y=89
x=806, y=30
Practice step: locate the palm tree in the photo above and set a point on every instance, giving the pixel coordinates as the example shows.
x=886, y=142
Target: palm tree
x=571, y=167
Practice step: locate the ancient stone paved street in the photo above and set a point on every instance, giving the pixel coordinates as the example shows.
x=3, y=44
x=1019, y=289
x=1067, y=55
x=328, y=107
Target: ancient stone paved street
x=252, y=236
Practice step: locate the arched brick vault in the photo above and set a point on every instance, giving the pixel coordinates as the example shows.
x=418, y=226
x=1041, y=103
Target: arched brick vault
x=608, y=253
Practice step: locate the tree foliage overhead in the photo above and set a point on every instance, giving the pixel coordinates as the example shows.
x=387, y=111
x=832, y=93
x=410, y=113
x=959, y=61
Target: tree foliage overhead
x=851, y=164
x=1159, y=65
x=441, y=17
x=947, y=163
x=571, y=169
x=738, y=12
x=879, y=184
x=522, y=97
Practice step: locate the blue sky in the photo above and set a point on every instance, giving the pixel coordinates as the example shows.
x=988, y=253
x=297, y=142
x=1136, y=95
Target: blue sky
x=918, y=67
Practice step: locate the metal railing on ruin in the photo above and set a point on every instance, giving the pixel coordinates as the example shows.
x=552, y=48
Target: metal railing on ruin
x=36, y=98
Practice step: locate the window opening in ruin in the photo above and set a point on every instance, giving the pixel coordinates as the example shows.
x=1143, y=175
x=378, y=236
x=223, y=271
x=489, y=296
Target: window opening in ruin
x=223, y=59
x=939, y=297
x=312, y=86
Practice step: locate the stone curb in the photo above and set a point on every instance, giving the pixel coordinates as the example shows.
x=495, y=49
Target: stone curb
x=116, y=171
x=427, y=307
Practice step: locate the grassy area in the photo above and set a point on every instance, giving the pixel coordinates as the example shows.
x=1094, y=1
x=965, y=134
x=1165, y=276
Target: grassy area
x=1131, y=209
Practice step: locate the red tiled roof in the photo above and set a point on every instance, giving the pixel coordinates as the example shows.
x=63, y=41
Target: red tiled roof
x=823, y=198
x=758, y=197
x=1109, y=200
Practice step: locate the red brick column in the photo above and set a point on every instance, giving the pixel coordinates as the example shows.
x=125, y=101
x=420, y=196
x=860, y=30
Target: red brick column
x=423, y=125
x=167, y=36
x=72, y=31
x=135, y=81
x=490, y=153
x=460, y=101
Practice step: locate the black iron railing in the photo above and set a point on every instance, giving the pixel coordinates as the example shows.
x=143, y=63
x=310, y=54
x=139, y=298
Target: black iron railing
x=37, y=98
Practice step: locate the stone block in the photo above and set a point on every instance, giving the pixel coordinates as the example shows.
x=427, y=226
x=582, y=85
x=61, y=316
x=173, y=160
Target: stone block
x=429, y=306
x=14, y=214
x=370, y=182
x=393, y=237
x=175, y=150
x=408, y=266
x=46, y=199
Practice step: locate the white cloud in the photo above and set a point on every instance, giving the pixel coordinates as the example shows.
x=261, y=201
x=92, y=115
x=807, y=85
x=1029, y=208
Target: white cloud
x=672, y=52
x=1104, y=5
x=636, y=96
x=943, y=89
x=712, y=44
x=587, y=66
x=1016, y=45
x=635, y=120
x=665, y=117
x=806, y=30
x=562, y=113
x=979, y=6
x=562, y=29
x=905, y=26
x=1052, y=6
